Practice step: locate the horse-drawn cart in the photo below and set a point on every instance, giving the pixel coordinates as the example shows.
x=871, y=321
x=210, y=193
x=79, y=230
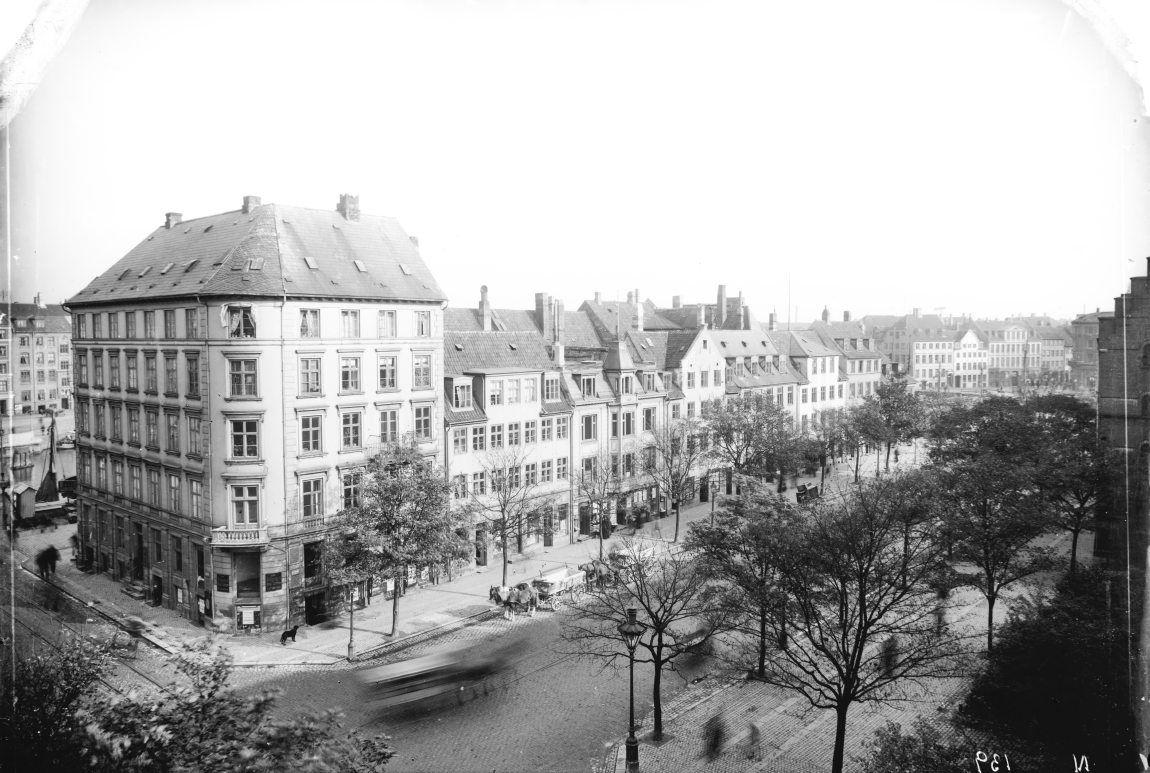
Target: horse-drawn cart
x=558, y=584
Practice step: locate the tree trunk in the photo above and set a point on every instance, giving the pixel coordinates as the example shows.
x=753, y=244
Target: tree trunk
x=678, y=509
x=840, y=738
x=1074, y=551
x=395, y=599
x=762, y=669
x=888, y=446
x=351, y=625
x=657, y=702
x=990, y=624
x=878, y=460
x=858, y=455
x=503, y=544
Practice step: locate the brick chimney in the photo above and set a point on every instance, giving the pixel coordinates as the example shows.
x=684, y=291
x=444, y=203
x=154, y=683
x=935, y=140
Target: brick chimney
x=172, y=219
x=348, y=206
x=638, y=312
x=772, y=321
x=544, y=316
x=826, y=314
x=484, y=308
x=846, y=316
x=250, y=203
x=915, y=312
x=676, y=301
x=598, y=297
x=557, y=351
x=721, y=306
x=746, y=317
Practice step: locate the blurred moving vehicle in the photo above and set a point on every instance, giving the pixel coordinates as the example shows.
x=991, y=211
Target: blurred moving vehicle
x=419, y=683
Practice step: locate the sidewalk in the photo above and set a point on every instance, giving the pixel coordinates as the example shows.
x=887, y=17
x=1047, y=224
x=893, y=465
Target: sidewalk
x=423, y=611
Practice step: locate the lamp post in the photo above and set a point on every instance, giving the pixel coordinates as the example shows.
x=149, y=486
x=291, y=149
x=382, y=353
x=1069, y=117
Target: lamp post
x=631, y=631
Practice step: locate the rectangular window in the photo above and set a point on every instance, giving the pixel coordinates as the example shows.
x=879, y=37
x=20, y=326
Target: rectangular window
x=171, y=380
x=587, y=386
x=223, y=583
x=245, y=505
x=628, y=423
x=690, y=379
x=478, y=438
x=648, y=419
x=349, y=323
x=590, y=427
x=719, y=377
x=546, y=430
x=495, y=392
x=589, y=471
x=458, y=486
x=562, y=425
x=513, y=433
x=478, y=483
x=421, y=371
x=423, y=423
x=423, y=324
x=530, y=390
x=387, y=324
x=703, y=378
x=245, y=439
x=174, y=493
x=349, y=374
x=120, y=543
x=387, y=372
x=676, y=409
x=628, y=465
x=114, y=370
x=309, y=376
x=309, y=323
x=459, y=440
x=151, y=377
x=497, y=436
x=312, y=559
x=115, y=417
x=118, y=478
x=131, y=359
x=352, y=483
x=151, y=426
x=196, y=494
x=173, y=420
x=169, y=323
x=551, y=389
x=528, y=432
x=191, y=323
x=157, y=546
x=135, y=483
x=154, y=487
x=311, y=437
x=97, y=325
x=242, y=378
x=387, y=426
x=614, y=425
x=81, y=325
x=193, y=371
x=352, y=437
x=133, y=425
x=273, y=581
x=149, y=324
x=512, y=391
x=462, y=395
x=561, y=471
x=311, y=495
x=97, y=370
x=545, y=471
x=193, y=435
x=241, y=322
x=530, y=474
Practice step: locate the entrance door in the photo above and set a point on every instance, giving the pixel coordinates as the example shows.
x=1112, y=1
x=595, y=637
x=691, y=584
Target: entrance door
x=157, y=589
x=481, y=546
x=704, y=490
x=548, y=528
x=313, y=609
x=584, y=518
x=141, y=556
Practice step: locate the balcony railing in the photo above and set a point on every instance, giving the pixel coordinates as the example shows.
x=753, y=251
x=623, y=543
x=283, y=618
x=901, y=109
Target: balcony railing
x=224, y=537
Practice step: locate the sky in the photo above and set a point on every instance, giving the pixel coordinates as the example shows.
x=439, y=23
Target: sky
x=962, y=156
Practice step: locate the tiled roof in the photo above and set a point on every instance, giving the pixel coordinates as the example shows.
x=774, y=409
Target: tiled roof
x=743, y=343
x=501, y=320
x=269, y=252
x=579, y=331
x=56, y=318
x=684, y=317
x=472, y=415
x=876, y=322
x=466, y=351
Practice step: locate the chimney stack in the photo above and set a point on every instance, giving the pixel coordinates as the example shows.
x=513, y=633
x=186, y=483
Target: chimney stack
x=702, y=315
x=637, y=292
x=826, y=314
x=638, y=315
x=676, y=301
x=348, y=206
x=772, y=321
x=485, y=308
x=557, y=350
x=915, y=312
x=846, y=316
x=172, y=219
x=630, y=296
x=250, y=203
x=544, y=316
x=721, y=307
x=746, y=317
x=598, y=297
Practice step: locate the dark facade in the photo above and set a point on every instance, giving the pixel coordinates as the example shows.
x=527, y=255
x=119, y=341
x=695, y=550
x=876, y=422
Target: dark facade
x=1084, y=351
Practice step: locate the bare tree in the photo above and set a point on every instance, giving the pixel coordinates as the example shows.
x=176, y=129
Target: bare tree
x=512, y=500
x=672, y=460
x=673, y=597
x=598, y=485
x=862, y=606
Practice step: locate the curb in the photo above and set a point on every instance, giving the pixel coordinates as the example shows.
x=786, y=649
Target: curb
x=425, y=635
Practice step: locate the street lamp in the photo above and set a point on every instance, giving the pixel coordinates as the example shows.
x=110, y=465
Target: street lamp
x=631, y=631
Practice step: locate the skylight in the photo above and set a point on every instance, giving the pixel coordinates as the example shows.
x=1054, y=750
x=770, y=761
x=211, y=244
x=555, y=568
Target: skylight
x=124, y=273
x=310, y=261
x=167, y=267
x=145, y=270
x=359, y=265
x=403, y=267
x=190, y=264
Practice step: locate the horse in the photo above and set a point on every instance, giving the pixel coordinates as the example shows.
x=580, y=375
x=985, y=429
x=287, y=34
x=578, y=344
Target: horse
x=521, y=598
x=597, y=573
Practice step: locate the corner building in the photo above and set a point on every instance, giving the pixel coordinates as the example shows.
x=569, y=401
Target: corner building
x=234, y=374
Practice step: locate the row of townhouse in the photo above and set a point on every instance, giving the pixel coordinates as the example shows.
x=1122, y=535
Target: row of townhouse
x=35, y=358
x=234, y=374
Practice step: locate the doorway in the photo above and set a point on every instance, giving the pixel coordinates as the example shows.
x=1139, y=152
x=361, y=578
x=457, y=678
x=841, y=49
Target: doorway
x=584, y=518
x=481, y=546
x=548, y=528
x=157, y=590
x=314, y=611
x=141, y=557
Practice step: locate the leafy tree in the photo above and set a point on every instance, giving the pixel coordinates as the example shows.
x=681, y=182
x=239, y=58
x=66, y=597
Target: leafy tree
x=863, y=599
x=830, y=434
x=746, y=546
x=1001, y=426
x=1078, y=635
x=751, y=435
x=598, y=484
x=673, y=456
x=404, y=515
x=512, y=501
x=992, y=514
x=923, y=748
x=866, y=426
x=673, y=597
x=352, y=561
x=203, y=726
x=901, y=413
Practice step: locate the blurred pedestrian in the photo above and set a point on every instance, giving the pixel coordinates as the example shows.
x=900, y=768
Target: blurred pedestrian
x=75, y=540
x=754, y=742
x=53, y=556
x=714, y=734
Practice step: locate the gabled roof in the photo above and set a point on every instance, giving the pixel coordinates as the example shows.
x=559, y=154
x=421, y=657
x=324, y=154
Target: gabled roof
x=501, y=320
x=923, y=322
x=270, y=251
x=877, y=322
x=801, y=343
x=472, y=351
x=743, y=343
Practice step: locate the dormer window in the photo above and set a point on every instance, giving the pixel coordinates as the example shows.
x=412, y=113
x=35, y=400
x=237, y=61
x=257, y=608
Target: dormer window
x=587, y=386
x=241, y=322
x=462, y=396
x=551, y=388
x=624, y=385
x=495, y=392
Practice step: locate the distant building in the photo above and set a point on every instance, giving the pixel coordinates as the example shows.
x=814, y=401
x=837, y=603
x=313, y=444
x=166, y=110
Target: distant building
x=1084, y=350
x=35, y=358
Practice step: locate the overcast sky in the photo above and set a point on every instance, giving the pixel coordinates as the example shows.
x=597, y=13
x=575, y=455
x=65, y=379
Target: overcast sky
x=969, y=155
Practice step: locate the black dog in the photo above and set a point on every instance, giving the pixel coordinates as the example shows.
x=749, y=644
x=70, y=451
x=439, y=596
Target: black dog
x=288, y=634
